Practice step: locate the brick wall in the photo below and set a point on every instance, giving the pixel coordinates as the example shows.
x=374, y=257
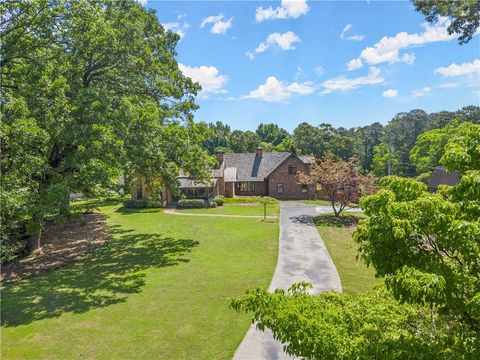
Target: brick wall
x=292, y=189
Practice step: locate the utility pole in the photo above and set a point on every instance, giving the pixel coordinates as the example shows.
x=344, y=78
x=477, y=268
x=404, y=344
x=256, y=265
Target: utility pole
x=390, y=151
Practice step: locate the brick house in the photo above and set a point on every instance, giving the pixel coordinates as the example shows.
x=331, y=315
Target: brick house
x=260, y=173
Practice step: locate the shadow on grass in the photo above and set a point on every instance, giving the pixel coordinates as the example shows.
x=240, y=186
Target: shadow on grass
x=342, y=221
x=107, y=277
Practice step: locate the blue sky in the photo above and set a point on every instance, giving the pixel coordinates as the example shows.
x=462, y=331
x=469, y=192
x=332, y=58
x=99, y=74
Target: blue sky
x=341, y=62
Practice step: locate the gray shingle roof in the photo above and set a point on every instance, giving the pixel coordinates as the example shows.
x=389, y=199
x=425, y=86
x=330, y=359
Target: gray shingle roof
x=441, y=177
x=252, y=168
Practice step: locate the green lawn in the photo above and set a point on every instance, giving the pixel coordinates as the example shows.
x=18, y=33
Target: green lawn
x=237, y=209
x=158, y=289
x=356, y=277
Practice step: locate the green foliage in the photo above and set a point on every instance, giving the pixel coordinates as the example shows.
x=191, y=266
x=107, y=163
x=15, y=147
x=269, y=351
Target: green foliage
x=462, y=152
x=244, y=141
x=191, y=203
x=430, y=149
x=430, y=146
x=381, y=155
x=136, y=203
x=424, y=177
x=271, y=133
x=311, y=140
x=339, y=326
x=219, y=200
x=432, y=243
x=90, y=90
x=464, y=15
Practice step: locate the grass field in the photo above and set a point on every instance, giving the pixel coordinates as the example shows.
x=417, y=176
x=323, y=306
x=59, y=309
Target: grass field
x=237, y=209
x=159, y=288
x=356, y=277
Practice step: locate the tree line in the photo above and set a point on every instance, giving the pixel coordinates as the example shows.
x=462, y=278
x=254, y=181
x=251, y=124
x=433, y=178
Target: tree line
x=373, y=145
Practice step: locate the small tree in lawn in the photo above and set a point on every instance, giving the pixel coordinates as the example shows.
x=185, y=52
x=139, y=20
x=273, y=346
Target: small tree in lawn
x=341, y=181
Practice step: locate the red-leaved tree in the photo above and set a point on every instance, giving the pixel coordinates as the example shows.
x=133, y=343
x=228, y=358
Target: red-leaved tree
x=340, y=180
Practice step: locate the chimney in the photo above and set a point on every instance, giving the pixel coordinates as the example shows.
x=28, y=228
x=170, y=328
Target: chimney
x=219, y=154
x=259, y=152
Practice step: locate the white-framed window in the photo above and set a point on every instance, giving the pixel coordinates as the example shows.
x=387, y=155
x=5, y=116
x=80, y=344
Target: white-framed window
x=246, y=186
x=279, y=188
x=304, y=189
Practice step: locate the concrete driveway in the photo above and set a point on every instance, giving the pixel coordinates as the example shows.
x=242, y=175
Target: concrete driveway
x=302, y=257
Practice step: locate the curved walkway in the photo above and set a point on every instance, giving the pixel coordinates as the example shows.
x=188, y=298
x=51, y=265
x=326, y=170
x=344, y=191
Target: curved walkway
x=302, y=257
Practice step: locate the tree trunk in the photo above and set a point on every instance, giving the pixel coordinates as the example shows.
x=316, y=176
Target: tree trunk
x=34, y=242
x=335, y=209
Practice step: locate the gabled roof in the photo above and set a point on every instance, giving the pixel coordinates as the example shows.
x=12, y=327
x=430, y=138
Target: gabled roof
x=253, y=168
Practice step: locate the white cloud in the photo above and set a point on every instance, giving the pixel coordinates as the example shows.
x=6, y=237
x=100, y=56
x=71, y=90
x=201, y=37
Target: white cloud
x=343, y=83
x=462, y=69
x=421, y=92
x=408, y=58
x=388, y=48
x=142, y=2
x=249, y=54
x=354, y=64
x=211, y=20
x=448, y=85
x=344, y=35
x=287, y=9
x=319, y=70
x=207, y=76
x=301, y=88
x=177, y=28
x=274, y=90
x=219, y=25
x=299, y=73
x=284, y=41
x=390, y=93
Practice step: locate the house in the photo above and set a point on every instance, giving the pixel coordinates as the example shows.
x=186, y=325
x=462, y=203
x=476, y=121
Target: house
x=261, y=173
x=441, y=177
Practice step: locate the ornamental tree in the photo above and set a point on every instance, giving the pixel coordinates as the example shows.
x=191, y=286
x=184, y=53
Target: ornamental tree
x=340, y=180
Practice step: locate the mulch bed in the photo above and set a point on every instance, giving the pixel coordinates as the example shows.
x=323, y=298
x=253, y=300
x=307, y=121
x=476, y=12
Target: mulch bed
x=61, y=244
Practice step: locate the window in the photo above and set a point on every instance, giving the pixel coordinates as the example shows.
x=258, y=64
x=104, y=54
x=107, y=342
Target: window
x=279, y=188
x=292, y=169
x=245, y=186
x=304, y=189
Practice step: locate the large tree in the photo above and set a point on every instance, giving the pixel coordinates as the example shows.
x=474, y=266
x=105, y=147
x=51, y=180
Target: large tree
x=90, y=89
x=463, y=14
x=271, y=133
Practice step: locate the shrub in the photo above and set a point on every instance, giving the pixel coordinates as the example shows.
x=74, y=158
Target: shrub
x=424, y=177
x=213, y=204
x=219, y=200
x=191, y=203
x=136, y=203
x=157, y=203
